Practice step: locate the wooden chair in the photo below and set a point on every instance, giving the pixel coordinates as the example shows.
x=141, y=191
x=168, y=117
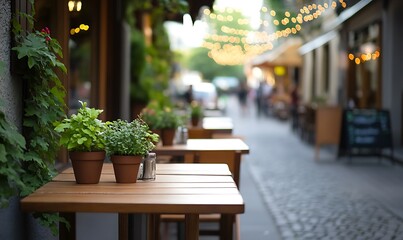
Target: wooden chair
x=232, y=159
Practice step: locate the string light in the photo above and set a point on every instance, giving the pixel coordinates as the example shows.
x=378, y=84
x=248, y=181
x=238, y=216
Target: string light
x=82, y=27
x=364, y=57
x=232, y=50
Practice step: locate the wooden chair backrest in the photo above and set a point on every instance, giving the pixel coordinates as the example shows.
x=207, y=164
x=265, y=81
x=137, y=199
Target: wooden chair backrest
x=199, y=133
x=228, y=157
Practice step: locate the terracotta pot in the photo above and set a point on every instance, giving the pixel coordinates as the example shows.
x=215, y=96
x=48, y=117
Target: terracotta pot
x=126, y=168
x=168, y=136
x=87, y=166
x=195, y=121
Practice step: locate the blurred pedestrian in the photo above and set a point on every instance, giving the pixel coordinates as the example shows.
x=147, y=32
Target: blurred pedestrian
x=242, y=97
x=189, y=95
x=294, y=107
x=262, y=98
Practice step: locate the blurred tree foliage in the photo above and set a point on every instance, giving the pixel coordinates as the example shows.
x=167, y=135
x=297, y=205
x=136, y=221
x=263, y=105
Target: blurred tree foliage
x=197, y=59
x=150, y=64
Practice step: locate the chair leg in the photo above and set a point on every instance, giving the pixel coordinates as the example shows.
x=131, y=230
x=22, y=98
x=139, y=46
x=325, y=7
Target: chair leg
x=237, y=227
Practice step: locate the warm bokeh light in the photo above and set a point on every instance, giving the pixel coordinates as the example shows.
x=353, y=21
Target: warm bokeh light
x=364, y=57
x=246, y=42
x=351, y=56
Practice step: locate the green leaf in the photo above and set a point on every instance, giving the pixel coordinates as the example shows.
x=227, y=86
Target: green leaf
x=31, y=62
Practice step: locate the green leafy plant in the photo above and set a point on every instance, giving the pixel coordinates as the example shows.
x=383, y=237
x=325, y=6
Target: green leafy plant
x=129, y=138
x=82, y=131
x=38, y=60
x=151, y=115
x=196, y=109
x=12, y=150
x=170, y=119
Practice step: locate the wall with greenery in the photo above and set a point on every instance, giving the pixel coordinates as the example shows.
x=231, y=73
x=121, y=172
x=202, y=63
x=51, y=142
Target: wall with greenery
x=27, y=160
x=11, y=218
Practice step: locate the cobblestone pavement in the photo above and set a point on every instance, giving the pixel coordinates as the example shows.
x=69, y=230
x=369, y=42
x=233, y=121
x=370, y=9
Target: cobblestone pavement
x=326, y=199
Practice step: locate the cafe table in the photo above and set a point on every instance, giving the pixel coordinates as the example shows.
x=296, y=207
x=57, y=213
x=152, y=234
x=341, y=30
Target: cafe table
x=190, y=189
x=210, y=127
x=194, y=147
x=218, y=124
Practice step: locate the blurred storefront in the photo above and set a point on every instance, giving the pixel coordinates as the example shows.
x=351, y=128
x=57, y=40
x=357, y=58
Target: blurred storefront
x=350, y=58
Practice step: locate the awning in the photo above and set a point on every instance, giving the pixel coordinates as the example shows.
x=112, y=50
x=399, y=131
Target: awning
x=286, y=54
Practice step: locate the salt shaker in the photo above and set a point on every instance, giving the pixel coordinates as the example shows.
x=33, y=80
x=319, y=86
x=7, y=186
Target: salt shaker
x=183, y=135
x=149, y=167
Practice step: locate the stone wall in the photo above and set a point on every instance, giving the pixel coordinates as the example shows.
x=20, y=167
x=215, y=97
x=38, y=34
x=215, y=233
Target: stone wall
x=10, y=88
x=11, y=219
x=13, y=223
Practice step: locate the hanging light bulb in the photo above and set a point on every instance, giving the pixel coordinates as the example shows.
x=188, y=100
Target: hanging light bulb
x=78, y=6
x=71, y=5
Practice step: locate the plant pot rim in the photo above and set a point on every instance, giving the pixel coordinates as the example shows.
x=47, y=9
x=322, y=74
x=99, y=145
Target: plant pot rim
x=98, y=155
x=127, y=159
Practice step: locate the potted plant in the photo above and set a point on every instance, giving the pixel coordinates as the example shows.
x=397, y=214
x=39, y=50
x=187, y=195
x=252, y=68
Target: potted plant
x=170, y=121
x=196, y=113
x=151, y=115
x=127, y=143
x=82, y=134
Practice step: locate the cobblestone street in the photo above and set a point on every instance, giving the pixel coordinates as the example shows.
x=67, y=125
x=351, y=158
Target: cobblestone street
x=325, y=199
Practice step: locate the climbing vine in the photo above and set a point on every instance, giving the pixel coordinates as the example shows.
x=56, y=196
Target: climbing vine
x=38, y=55
x=12, y=147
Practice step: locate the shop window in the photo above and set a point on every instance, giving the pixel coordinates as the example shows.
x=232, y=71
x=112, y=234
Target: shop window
x=364, y=56
x=82, y=46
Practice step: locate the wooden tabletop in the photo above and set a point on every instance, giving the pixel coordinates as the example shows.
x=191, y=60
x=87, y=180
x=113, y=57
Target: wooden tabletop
x=171, y=192
x=218, y=123
x=196, y=145
x=190, y=189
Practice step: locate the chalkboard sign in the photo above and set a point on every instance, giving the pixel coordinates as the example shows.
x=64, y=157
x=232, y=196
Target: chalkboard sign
x=366, y=129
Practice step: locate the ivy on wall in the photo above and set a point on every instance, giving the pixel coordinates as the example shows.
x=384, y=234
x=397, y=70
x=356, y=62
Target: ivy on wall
x=12, y=147
x=44, y=105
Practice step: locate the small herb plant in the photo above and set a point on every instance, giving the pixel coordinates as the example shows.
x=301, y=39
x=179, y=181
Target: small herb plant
x=129, y=138
x=151, y=114
x=170, y=119
x=196, y=109
x=82, y=131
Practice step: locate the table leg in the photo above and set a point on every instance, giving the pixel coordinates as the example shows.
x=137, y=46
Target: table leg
x=153, y=227
x=192, y=226
x=226, y=226
x=64, y=233
x=123, y=226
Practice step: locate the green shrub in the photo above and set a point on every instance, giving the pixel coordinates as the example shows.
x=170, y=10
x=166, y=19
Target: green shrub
x=82, y=131
x=129, y=138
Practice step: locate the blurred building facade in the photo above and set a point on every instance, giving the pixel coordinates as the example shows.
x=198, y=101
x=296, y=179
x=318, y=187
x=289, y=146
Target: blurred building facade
x=352, y=60
x=349, y=57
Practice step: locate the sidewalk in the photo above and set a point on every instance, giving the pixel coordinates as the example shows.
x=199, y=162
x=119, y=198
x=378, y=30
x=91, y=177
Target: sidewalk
x=308, y=199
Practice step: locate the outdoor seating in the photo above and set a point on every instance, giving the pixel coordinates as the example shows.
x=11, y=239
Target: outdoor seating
x=228, y=157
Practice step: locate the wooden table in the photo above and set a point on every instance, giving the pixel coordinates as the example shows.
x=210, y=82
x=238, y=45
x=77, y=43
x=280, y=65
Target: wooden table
x=190, y=189
x=193, y=147
x=210, y=127
x=218, y=124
